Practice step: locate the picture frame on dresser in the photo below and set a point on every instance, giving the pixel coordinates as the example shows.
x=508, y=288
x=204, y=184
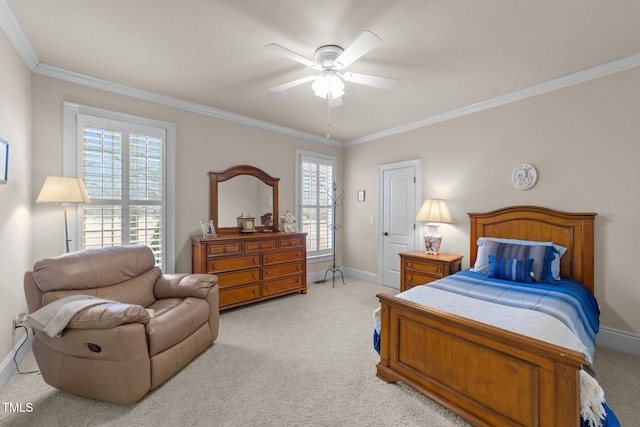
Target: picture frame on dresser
x=208, y=229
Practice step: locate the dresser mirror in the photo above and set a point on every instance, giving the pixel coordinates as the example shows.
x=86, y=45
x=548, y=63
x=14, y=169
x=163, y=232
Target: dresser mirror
x=243, y=190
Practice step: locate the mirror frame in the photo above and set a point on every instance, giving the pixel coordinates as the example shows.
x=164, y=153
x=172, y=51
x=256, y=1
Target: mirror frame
x=217, y=177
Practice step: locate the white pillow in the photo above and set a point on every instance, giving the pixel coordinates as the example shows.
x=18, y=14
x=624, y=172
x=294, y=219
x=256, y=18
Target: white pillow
x=482, y=257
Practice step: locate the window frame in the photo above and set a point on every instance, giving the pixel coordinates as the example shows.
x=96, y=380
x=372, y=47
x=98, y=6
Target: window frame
x=312, y=256
x=72, y=154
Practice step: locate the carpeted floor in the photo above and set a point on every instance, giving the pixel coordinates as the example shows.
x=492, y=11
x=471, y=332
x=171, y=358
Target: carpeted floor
x=299, y=360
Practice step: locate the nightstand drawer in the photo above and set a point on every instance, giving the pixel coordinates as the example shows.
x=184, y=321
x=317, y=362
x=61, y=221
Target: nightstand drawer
x=435, y=270
x=414, y=279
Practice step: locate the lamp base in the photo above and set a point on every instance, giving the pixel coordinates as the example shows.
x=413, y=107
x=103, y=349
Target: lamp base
x=432, y=244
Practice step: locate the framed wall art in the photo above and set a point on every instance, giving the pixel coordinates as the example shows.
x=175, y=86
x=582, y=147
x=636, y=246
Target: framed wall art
x=4, y=160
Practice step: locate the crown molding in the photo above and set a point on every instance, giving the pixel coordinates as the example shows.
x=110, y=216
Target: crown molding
x=20, y=42
x=16, y=36
x=96, y=83
x=570, y=79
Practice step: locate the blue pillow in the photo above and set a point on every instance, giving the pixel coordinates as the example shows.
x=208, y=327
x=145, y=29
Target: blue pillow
x=515, y=270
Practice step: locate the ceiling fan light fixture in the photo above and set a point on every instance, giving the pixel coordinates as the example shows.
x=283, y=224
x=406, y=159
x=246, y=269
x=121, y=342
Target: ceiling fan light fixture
x=328, y=85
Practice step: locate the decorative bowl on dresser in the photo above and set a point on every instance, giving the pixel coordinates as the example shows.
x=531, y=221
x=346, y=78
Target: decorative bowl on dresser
x=256, y=266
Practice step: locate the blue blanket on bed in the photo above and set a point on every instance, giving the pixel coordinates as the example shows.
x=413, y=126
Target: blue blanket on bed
x=566, y=300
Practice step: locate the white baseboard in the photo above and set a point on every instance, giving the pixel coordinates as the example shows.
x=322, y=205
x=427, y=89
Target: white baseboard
x=19, y=351
x=349, y=273
x=619, y=340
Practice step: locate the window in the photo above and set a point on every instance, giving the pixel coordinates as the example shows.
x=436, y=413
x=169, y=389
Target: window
x=123, y=161
x=315, y=175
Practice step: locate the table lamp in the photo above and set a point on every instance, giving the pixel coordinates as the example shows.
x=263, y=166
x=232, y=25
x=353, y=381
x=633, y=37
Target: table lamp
x=434, y=212
x=63, y=190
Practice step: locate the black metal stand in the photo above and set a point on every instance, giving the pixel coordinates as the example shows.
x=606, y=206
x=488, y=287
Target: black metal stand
x=334, y=268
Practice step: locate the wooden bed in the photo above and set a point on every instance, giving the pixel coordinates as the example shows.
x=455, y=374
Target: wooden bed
x=488, y=375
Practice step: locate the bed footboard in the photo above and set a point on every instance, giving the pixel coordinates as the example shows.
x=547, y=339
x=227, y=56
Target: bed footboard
x=487, y=375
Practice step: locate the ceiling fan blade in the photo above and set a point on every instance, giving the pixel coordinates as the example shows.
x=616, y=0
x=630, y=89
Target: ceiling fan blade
x=363, y=44
x=375, y=81
x=276, y=48
x=277, y=92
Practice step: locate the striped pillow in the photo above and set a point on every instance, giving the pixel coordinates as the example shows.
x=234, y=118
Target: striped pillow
x=515, y=270
x=542, y=256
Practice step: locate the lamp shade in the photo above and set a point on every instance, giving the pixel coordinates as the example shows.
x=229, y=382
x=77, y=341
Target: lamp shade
x=434, y=211
x=63, y=189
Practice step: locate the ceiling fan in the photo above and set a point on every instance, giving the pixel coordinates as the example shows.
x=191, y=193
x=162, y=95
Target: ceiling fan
x=329, y=61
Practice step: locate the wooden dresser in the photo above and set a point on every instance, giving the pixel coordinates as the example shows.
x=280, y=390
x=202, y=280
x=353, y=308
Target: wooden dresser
x=254, y=266
x=419, y=267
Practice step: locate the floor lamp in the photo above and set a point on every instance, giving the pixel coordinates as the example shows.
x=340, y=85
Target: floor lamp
x=63, y=190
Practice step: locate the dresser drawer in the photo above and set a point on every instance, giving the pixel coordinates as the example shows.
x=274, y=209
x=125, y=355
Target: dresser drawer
x=260, y=245
x=241, y=294
x=241, y=277
x=276, y=286
x=432, y=269
x=292, y=242
x=282, y=270
x=283, y=256
x=223, y=264
x=224, y=248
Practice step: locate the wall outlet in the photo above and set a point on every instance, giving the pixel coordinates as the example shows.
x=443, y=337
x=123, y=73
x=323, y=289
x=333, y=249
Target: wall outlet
x=367, y=261
x=18, y=320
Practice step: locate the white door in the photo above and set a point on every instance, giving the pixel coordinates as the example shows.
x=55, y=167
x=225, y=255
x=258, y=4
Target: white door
x=399, y=198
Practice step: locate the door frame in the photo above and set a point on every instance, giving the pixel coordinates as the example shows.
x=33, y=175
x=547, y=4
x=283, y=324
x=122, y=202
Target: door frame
x=417, y=164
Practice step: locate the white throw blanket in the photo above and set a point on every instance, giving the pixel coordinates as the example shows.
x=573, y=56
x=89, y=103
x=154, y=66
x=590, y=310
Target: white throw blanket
x=54, y=317
x=531, y=323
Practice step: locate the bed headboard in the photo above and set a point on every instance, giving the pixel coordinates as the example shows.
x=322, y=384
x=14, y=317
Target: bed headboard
x=571, y=230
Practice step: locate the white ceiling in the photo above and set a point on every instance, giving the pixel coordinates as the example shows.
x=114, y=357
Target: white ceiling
x=447, y=54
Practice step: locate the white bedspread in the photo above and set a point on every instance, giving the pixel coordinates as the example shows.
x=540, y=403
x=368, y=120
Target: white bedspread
x=530, y=323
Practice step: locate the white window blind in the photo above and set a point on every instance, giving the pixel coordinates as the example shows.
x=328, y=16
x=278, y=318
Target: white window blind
x=123, y=166
x=316, y=176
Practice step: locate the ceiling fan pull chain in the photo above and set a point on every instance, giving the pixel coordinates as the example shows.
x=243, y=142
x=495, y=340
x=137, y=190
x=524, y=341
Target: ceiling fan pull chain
x=328, y=115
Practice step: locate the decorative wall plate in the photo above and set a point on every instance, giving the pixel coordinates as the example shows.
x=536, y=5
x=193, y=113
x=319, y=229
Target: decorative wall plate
x=524, y=176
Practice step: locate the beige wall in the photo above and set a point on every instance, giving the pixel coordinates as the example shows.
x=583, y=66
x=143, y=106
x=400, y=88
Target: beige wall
x=584, y=141
x=15, y=196
x=203, y=144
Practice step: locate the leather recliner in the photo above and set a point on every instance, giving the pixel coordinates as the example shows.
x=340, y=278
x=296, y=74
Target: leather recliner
x=119, y=351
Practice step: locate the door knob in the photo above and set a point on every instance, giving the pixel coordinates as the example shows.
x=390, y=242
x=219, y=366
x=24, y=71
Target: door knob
x=386, y=234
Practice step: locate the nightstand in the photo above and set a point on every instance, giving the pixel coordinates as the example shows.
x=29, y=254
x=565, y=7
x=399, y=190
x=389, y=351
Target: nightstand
x=419, y=267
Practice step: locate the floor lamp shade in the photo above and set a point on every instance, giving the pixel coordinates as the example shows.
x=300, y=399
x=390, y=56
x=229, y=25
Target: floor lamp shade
x=434, y=212
x=63, y=190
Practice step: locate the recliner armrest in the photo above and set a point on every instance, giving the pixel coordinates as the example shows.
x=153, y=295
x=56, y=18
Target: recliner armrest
x=109, y=315
x=184, y=285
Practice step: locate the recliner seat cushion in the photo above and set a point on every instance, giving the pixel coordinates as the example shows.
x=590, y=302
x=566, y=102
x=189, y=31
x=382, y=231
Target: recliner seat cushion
x=173, y=320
